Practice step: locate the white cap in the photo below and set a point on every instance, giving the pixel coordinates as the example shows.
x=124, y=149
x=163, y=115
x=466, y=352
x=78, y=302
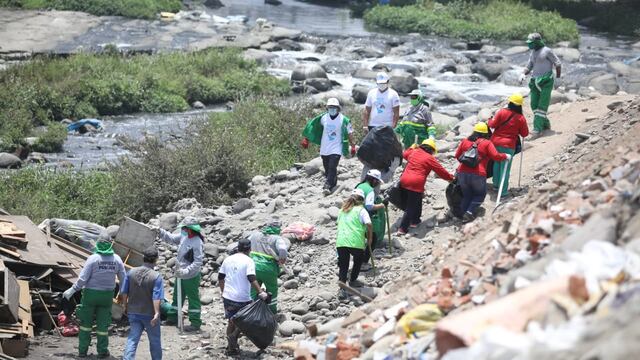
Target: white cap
x=333, y=102
x=358, y=192
x=382, y=78
x=415, y=92
x=375, y=174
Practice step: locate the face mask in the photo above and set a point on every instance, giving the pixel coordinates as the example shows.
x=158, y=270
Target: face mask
x=382, y=87
x=184, y=233
x=531, y=45
x=332, y=111
x=415, y=102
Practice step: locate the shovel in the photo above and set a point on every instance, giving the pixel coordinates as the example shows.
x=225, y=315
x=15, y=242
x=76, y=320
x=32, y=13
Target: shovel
x=504, y=176
x=179, y=314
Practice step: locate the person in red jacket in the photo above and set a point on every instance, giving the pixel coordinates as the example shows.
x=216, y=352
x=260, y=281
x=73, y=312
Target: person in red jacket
x=507, y=124
x=473, y=180
x=420, y=162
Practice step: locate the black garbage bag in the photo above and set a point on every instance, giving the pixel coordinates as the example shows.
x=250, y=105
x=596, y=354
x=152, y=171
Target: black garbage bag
x=257, y=322
x=396, y=196
x=379, y=148
x=454, y=198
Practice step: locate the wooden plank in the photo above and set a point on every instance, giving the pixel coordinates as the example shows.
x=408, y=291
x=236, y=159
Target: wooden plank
x=10, y=253
x=14, y=240
x=24, y=313
x=11, y=293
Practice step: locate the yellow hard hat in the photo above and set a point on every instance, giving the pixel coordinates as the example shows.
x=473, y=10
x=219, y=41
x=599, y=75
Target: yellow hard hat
x=516, y=99
x=481, y=127
x=431, y=143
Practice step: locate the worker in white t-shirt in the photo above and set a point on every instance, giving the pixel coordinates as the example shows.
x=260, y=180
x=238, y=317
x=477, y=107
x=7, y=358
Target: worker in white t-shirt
x=236, y=276
x=382, y=106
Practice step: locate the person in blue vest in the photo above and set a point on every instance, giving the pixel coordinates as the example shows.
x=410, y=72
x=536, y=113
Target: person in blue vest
x=334, y=133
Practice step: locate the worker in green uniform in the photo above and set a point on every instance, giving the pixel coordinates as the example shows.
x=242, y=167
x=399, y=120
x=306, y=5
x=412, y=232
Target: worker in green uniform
x=375, y=206
x=97, y=281
x=416, y=122
x=269, y=250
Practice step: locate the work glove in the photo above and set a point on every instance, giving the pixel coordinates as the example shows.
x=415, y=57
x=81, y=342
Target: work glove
x=304, y=143
x=509, y=156
x=522, y=78
x=181, y=273
x=68, y=294
x=263, y=296
x=353, y=150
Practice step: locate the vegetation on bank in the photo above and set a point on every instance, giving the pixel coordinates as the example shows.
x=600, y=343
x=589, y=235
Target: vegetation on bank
x=145, y=9
x=88, y=85
x=491, y=19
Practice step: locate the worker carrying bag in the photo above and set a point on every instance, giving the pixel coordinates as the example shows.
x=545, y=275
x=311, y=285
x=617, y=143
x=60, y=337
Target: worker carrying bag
x=257, y=322
x=454, y=198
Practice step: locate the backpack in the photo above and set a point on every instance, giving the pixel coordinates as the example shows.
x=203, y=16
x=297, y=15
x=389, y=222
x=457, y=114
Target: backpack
x=471, y=157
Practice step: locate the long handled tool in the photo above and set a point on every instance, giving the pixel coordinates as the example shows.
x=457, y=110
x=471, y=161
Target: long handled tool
x=373, y=262
x=521, y=156
x=179, y=314
x=502, y=179
x=386, y=214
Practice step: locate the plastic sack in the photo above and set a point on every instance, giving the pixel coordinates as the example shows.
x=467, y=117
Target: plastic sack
x=257, y=322
x=298, y=231
x=454, y=198
x=395, y=196
x=421, y=319
x=80, y=232
x=70, y=330
x=379, y=148
x=62, y=319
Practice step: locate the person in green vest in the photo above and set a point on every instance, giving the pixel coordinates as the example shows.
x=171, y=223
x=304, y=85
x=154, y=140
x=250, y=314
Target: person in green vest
x=416, y=122
x=541, y=63
x=269, y=250
x=375, y=206
x=97, y=281
x=334, y=133
x=355, y=232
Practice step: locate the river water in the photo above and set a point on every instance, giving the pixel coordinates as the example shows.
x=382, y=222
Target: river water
x=88, y=151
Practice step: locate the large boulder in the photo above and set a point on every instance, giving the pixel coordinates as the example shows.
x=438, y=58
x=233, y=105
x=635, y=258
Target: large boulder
x=307, y=71
x=444, y=120
x=403, y=82
x=320, y=84
x=567, y=54
x=511, y=77
x=410, y=68
x=363, y=73
x=366, y=52
x=452, y=97
x=339, y=66
x=288, y=44
x=359, y=94
x=515, y=50
x=262, y=57
x=491, y=70
x=623, y=69
x=9, y=161
x=606, y=84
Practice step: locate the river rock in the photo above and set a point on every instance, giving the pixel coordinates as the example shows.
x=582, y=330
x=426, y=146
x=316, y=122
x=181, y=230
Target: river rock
x=211, y=250
x=623, y=69
x=403, y=82
x=367, y=52
x=290, y=327
x=402, y=50
x=490, y=70
x=606, y=84
x=112, y=230
x=290, y=45
x=37, y=158
x=363, y=73
x=168, y=221
x=9, y=161
x=242, y=205
x=410, y=68
x=262, y=57
x=444, y=120
x=339, y=66
x=452, y=97
x=567, y=54
x=300, y=308
x=359, y=94
x=515, y=50
x=485, y=114
x=307, y=71
x=197, y=105
x=313, y=167
x=510, y=77
x=214, y=4
x=320, y=84
x=291, y=284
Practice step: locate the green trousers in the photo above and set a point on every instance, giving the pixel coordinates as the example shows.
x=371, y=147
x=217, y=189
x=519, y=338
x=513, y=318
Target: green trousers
x=190, y=291
x=498, y=169
x=95, y=303
x=267, y=271
x=540, y=98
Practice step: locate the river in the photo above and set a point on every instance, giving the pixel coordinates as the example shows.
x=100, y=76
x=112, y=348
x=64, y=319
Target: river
x=331, y=23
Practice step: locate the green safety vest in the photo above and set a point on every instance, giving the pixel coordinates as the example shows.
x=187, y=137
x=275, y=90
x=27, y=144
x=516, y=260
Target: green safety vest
x=351, y=232
x=377, y=216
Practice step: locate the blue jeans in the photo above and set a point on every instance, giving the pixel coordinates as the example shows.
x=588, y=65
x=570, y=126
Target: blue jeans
x=474, y=190
x=138, y=325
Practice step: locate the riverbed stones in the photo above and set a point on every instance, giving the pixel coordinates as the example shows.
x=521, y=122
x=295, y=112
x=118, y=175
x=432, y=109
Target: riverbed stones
x=443, y=120
x=291, y=327
x=367, y=52
x=262, y=57
x=606, y=84
x=242, y=205
x=402, y=81
x=359, y=94
x=320, y=84
x=197, y=105
x=515, y=50
x=451, y=97
x=9, y=161
x=567, y=54
x=363, y=73
x=491, y=70
x=308, y=71
x=291, y=284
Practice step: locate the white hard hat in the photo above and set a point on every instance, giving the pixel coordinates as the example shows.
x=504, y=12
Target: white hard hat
x=375, y=174
x=382, y=78
x=358, y=192
x=333, y=102
x=415, y=92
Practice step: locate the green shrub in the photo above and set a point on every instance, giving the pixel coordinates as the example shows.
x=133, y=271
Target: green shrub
x=43, y=193
x=86, y=85
x=147, y=9
x=52, y=140
x=495, y=19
